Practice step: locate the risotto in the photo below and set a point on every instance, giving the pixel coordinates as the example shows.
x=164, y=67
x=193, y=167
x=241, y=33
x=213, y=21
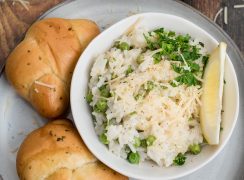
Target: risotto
x=145, y=96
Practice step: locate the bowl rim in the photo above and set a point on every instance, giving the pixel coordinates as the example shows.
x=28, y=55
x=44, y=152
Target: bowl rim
x=208, y=160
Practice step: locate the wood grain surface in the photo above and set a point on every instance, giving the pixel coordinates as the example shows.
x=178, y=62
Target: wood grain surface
x=15, y=19
x=235, y=16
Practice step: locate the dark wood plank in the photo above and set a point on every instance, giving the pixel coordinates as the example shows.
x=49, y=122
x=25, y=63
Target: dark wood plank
x=15, y=20
x=207, y=7
x=235, y=26
x=11, y=35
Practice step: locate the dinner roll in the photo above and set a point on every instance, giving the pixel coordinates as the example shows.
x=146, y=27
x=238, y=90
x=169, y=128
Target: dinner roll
x=57, y=152
x=41, y=66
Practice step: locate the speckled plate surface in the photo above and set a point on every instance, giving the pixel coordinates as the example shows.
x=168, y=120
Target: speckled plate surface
x=17, y=118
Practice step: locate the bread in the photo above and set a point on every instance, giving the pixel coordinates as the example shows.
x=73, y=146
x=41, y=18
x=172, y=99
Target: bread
x=41, y=66
x=56, y=152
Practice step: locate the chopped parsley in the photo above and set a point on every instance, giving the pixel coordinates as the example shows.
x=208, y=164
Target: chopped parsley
x=201, y=44
x=149, y=85
x=101, y=106
x=89, y=96
x=104, y=91
x=122, y=45
x=138, y=96
x=204, y=61
x=103, y=138
x=177, y=48
x=129, y=70
x=61, y=138
x=157, y=57
x=188, y=79
x=144, y=143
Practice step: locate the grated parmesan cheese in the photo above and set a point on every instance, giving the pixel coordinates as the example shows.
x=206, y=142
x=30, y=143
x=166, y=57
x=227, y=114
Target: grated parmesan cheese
x=239, y=6
x=217, y=14
x=186, y=67
x=36, y=90
x=225, y=15
x=45, y=85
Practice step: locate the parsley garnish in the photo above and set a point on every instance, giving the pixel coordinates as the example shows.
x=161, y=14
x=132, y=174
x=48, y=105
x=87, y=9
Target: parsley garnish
x=204, y=61
x=177, y=48
x=104, y=91
x=201, y=44
x=61, y=138
x=157, y=57
x=129, y=70
x=89, y=96
x=188, y=79
x=171, y=45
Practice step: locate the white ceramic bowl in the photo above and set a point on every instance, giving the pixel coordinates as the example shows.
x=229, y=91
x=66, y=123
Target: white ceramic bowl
x=82, y=114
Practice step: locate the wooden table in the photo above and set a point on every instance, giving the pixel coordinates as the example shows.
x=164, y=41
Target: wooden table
x=16, y=18
x=235, y=16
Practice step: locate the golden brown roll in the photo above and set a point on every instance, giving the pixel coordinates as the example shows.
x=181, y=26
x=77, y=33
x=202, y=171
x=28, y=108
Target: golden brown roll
x=41, y=66
x=56, y=152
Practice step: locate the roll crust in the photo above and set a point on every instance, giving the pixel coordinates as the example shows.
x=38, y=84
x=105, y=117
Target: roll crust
x=56, y=152
x=41, y=66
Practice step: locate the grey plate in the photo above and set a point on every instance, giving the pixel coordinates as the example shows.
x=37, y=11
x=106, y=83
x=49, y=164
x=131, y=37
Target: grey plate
x=17, y=118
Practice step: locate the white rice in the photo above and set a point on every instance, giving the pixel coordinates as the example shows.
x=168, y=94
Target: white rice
x=163, y=113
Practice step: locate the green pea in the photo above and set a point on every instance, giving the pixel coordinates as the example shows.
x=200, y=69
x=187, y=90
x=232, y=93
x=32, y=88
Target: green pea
x=195, y=149
x=124, y=46
x=101, y=106
x=150, y=139
x=89, y=97
x=103, y=138
x=179, y=159
x=134, y=158
x=137, y=142
x=104, y=91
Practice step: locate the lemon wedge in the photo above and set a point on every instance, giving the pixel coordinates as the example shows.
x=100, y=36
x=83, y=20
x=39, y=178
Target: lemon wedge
x=213, y=79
